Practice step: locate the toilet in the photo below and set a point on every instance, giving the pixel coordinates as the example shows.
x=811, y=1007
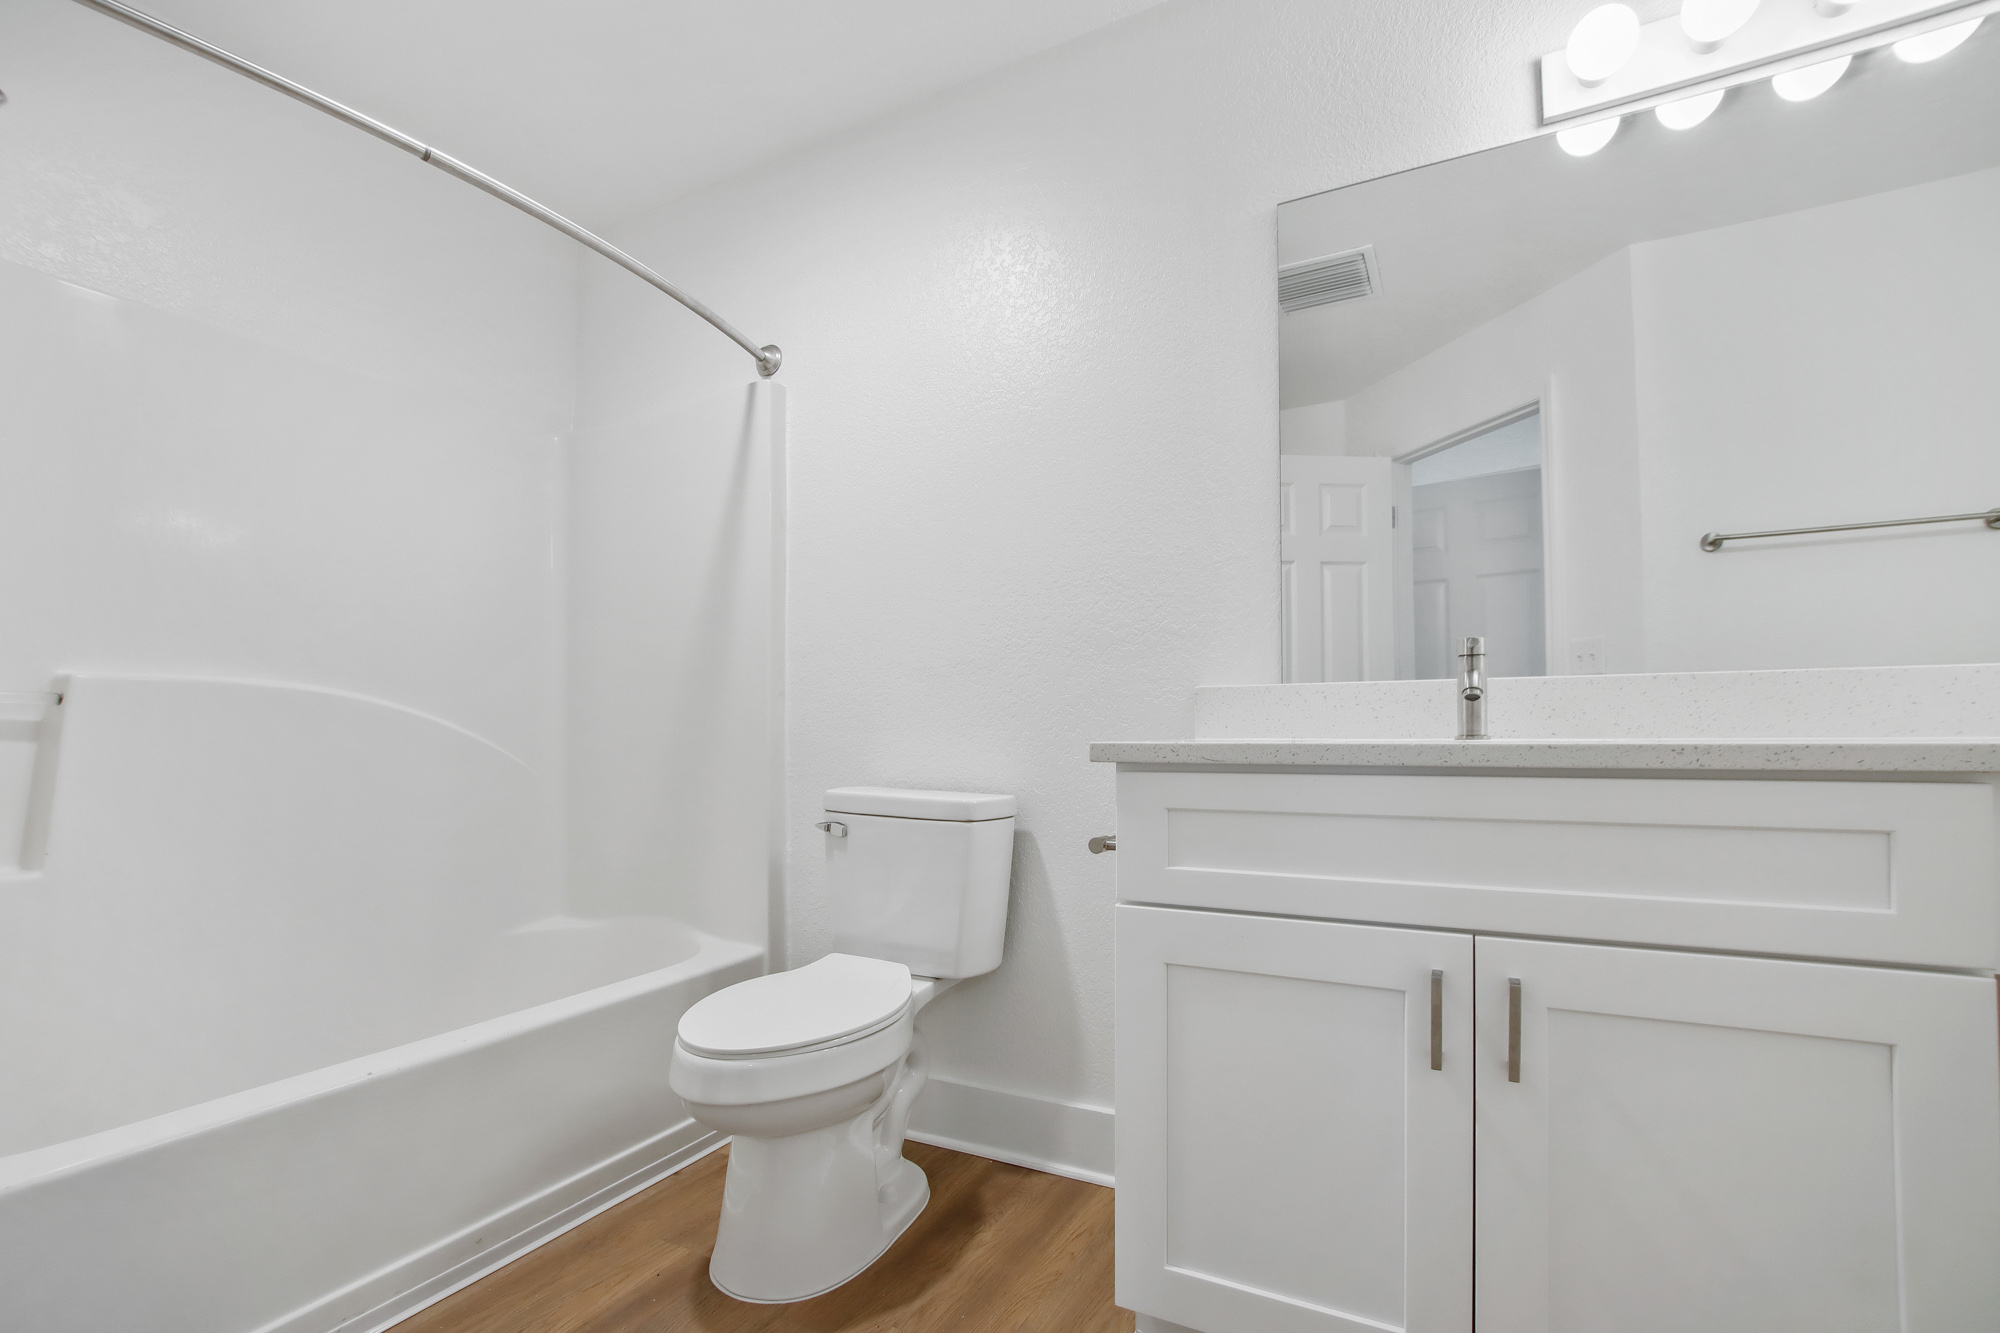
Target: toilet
x=814, y=1071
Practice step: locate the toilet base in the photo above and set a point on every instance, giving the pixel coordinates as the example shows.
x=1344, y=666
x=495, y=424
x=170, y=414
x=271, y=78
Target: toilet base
x=805, y=1213
x=912, y=1193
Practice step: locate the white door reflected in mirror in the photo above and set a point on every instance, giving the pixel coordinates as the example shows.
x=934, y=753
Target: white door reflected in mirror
x=1475, y=563
x=1336, y=568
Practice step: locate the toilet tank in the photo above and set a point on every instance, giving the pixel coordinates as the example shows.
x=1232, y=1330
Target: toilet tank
x=920, y=877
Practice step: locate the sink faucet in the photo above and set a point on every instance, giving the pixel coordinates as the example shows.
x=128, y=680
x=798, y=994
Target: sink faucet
x=1472, y=690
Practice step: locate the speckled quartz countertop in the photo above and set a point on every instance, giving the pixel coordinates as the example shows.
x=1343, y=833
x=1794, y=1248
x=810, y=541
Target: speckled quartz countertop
x=1951, y=754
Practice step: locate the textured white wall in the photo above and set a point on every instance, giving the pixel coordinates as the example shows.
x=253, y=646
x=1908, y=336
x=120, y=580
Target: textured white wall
x=1030, y=331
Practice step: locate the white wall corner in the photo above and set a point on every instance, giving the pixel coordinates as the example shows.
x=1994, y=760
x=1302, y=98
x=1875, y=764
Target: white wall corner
x=1058, y=1137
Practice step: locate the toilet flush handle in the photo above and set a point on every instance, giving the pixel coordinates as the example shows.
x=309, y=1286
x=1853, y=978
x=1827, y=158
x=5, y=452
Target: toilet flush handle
x=833, y=827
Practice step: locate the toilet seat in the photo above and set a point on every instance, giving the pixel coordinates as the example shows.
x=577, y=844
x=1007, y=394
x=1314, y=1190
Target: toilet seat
x=842, y=998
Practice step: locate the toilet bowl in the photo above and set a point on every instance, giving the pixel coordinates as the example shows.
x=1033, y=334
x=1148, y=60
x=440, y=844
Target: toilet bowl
x=815, y=1071
x=818, y=1186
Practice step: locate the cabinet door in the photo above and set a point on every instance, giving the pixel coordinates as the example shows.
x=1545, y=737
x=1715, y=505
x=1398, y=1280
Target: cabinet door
x=1288, y=1159
x=1735, y=1145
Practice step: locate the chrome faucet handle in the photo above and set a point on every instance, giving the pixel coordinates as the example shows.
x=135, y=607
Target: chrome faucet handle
x=1472, y=668
x=1472, y=689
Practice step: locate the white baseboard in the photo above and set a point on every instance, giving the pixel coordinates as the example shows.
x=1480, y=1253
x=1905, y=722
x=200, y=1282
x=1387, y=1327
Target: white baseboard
x=1059, y=1137
x=392, y=1294
x=1148, y=1324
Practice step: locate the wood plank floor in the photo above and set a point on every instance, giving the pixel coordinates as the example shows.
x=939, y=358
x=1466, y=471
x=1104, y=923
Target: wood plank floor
x=1000, y=1249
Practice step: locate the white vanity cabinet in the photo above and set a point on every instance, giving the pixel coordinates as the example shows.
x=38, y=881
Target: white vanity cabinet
x=1671, y=1131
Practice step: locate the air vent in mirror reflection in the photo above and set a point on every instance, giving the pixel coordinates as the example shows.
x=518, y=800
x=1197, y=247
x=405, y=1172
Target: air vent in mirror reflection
x=1342, y=277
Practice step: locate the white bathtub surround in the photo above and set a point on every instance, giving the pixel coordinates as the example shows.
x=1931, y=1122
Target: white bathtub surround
x=1877, y=703
x=347, y=1198
x=27, y=726
x=283, y=419
x=150, y=175
x=184, y=500
x=244, y=882
x=311, y=1031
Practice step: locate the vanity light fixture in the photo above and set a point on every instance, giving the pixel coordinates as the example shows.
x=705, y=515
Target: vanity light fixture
x=1802, y=85
x=1937, y=42
x=1602, y=43
x=1688, y=112
x=1584, y=140
x=1680, y=66
x=1710, y=23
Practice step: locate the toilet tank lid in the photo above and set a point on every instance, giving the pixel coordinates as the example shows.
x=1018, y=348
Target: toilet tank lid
x=905, y=804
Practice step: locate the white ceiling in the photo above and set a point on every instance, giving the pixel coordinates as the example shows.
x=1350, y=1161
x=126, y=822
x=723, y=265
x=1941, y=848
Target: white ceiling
x=1461, y=242
x=604, y=108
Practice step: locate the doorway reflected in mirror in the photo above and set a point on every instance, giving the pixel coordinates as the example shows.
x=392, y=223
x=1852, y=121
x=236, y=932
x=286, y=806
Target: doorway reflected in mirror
x=1475, y=566
x=1386, y=563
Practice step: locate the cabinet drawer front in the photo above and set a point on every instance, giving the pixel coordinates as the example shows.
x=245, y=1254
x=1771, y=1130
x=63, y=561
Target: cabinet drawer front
x=1883, y=871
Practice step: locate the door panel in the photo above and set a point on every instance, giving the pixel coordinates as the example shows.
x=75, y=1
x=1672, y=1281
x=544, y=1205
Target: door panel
x=1336, y=568
x=1288, y=1160
x=1736, y=1145
x=1478, y=541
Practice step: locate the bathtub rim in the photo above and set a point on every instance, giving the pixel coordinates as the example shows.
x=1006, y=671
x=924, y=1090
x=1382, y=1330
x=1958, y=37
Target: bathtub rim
x=33, y=1167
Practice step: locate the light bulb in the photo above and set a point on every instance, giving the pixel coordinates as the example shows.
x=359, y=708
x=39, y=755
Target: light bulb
x=1602, y=41
x=1802, y=85
x=1710, y=23
x=1689, y=111
x=1935, y=43
x=1587, y=139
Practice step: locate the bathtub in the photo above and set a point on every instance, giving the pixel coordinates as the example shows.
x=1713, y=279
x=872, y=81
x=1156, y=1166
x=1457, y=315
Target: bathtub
x=295, y=1035
x=350, y=1196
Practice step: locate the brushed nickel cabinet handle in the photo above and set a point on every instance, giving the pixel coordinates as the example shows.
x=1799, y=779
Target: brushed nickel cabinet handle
x=1513, y=1029
x=1437, y=1019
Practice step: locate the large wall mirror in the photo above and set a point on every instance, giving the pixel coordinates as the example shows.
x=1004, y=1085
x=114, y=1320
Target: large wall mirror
x=1520, y=387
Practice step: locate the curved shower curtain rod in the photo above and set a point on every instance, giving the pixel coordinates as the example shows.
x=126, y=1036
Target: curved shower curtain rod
x=768, y=357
